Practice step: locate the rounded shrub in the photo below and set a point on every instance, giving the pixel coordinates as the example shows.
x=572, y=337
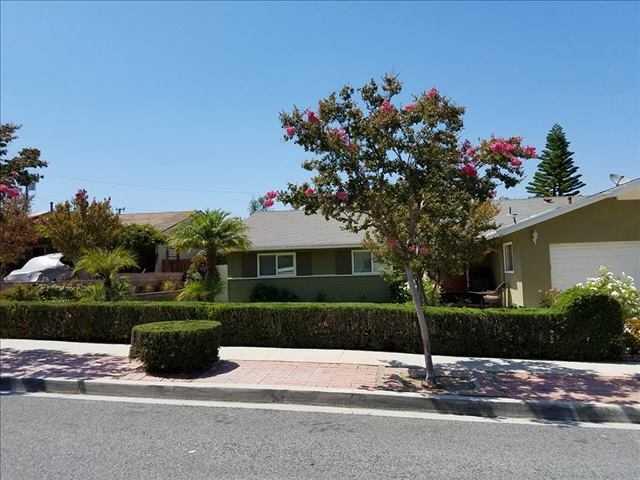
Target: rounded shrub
x=176, y=347
x=594, y=324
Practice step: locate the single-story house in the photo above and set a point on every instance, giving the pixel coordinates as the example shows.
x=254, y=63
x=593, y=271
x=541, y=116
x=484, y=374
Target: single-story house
x=313, y=258
x=566, y=242
x=540, y=244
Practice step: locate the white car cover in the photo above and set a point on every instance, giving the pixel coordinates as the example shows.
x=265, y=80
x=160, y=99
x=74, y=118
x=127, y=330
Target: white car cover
x=47, y=268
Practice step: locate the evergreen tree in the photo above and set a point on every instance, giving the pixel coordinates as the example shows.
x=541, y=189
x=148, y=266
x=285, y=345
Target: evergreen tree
x=556, y=175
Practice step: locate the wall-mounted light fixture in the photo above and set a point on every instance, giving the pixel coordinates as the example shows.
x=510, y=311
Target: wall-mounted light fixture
x=534, y=237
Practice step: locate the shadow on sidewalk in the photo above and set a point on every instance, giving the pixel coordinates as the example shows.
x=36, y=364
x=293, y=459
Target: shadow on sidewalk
x=58, y=364
x=519, y=379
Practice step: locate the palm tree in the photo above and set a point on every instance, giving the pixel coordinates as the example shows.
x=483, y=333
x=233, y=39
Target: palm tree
x=212, y=233
x=105, y=264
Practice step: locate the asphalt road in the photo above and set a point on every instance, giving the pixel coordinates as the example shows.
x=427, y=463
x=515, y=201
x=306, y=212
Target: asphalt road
x=50, y=438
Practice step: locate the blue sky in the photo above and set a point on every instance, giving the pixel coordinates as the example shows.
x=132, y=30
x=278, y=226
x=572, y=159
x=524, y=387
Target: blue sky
x=174, y=106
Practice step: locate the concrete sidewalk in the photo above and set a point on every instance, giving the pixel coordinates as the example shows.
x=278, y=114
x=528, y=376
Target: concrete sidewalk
x=475, y=386
x=348, y=357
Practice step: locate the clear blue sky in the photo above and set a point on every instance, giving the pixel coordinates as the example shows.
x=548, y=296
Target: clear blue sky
x=172, y=106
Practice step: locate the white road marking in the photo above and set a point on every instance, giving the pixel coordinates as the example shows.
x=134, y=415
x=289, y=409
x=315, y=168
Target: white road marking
x=337, y=410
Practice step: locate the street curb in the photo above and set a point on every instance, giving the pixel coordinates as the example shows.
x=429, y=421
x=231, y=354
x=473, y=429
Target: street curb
x=489, y=407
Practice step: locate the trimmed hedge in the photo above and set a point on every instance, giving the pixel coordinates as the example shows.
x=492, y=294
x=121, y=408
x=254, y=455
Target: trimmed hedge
x=177, y=347
x=109, y=322
x=515, y=333
x=590, y=319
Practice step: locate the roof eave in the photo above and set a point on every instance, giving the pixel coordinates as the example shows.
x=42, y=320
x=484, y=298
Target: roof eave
x=615, y=192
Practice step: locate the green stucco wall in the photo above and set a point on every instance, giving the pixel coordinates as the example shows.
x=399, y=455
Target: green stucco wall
x=338, y=288
x=322, y=274
x=606, y=221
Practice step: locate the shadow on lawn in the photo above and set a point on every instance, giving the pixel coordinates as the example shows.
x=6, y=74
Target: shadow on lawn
x=520, y=379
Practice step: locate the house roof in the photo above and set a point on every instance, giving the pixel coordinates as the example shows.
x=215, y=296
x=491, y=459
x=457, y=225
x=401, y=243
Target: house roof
x=163, y=221
x=514, y=210
x=292, y=229
x=627, y=190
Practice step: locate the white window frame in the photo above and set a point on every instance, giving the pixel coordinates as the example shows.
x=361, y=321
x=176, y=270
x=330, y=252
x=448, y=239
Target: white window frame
x=504, y=257
x=278, y=275
x=353, y=263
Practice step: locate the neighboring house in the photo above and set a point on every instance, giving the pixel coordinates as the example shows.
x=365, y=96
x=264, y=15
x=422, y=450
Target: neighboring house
x=540, y=243
x=566, y=242
x=168, y=260
x=311, y=257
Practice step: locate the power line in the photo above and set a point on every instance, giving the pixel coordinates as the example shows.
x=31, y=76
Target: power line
x=151, y=187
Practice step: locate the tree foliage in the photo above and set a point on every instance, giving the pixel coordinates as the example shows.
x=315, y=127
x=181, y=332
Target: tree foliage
x=401, y=174
x=557, y=175
x=212, y=233
x=105, y=264
x=79, y=225
x=17, y=232
x=19, y=169
x=142, y=241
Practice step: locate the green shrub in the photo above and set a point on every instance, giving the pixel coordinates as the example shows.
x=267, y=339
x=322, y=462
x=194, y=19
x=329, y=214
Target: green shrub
x=517, y=333
x=42, y=291
x=594, y=324
x=182, y=346
x=632, y=336
x=20, y=293
x=268, y=293
x=200, y=291
x=97, y=292
x=169, y=286
x=622, y=289
x=109, y=322
x=142, y=241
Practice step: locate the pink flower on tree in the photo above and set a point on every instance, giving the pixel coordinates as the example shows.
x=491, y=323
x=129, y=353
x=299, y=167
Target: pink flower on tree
x=469, y=170
x=410, y=107
x=290, y=131
x=272, y=195
x=515, y=162
x=529, y=152
x=502, y=147
x=312, y=117
x=309, y=192
x=267, y=202
x=81, y=196
x=342, y=196
x=433, y=93
x=10, y=192
x=341, y=134
x=387, y=106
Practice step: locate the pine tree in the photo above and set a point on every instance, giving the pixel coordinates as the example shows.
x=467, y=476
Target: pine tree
x=556, y=175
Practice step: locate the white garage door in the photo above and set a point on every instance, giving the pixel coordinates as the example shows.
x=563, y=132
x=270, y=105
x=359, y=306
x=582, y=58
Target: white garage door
x=572, y=263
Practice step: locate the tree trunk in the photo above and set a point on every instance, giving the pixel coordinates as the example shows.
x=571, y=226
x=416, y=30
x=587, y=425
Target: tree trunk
x=212, y=270
x=417, y=294
x=107, y=284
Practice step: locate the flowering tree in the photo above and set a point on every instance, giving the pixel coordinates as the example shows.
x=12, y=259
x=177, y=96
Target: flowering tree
x=17, y=232
x=79, y=225
x=403, y=175
x=263, y=202
x=18, y=170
